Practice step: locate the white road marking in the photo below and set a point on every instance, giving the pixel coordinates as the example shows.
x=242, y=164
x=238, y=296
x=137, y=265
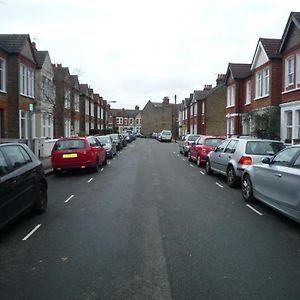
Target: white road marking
x=31, y=232
x=183, y=159
x=90, y=180
x=69, y=198
x=109, y=163
x=174, y=152
x=256, y=211
x=202, y=172
x=191, y=166
x=101, y=170
x=220, y=185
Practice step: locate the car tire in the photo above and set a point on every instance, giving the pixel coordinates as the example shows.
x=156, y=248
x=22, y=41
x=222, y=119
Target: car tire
x=57, y=172
x=208, y=169
x=247, y=189
x=96, y=166
x=189, y=156
x=41, y=199
x=231, y=177
x=199, y=161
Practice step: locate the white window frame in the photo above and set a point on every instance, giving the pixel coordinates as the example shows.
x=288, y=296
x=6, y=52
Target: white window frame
x=92, y=110
x=2, y=75
x=76, y=102
x=67, y=103
x=231, y=96
x=203, y=112
x=262, y=83
x=87, y=107
x=298, y=68
x=289, y=71
x=47, y=125
x=248, y=92
x=26, y=75
x=289, y=127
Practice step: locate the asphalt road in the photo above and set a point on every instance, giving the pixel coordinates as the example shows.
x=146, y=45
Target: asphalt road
x=149, y=225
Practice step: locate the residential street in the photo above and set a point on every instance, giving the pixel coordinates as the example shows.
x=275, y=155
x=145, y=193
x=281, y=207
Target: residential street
x=149, y=225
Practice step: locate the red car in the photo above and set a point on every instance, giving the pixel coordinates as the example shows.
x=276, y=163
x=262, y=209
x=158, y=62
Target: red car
x=77, y=152
x=202, y=146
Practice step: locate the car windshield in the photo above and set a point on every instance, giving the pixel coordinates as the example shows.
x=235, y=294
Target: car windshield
x=192, y=138
x=213, y=142
x=69, y=144
x=104, y=139
x=263, y=147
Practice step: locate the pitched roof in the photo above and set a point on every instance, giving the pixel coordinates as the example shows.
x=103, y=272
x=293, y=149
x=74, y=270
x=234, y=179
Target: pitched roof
x=84, y=89
x=40, y=57
x=271, y=47
x=13, y=43
x=294, y=18
x=200, y=95
x=238, y=71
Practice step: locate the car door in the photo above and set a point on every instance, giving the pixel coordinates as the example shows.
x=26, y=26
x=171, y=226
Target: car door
x=218, y=157
x=18, y=184
x=278, y=182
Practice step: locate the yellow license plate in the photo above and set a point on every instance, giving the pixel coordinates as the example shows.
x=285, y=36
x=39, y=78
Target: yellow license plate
x=70, y=155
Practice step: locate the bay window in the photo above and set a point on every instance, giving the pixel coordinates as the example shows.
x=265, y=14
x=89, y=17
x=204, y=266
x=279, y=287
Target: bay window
x=26, y=81
x=262, y=84
x=231, y=96
x=2, y=75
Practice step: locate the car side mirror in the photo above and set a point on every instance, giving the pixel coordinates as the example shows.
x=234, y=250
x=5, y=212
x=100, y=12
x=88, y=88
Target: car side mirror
x=266, y=160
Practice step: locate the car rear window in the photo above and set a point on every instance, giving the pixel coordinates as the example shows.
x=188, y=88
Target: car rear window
x=104, y=139
x=166, y=132
x=192, y=138
x=263, y=148
x=69, y=144
x=213, y=142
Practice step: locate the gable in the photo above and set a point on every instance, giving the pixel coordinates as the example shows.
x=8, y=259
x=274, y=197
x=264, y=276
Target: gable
x=260, y=57
x=27, y=51
x=292, y=39
x=47, y=68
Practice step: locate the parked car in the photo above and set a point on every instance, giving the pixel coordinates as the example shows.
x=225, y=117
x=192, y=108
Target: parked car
x=107, y=143
x=202, y=146
x=276, y=182
x=234, y=155
x=22, y=182
x=186, y=143
x=117, y=140
x=77, y=152
x=166, y=136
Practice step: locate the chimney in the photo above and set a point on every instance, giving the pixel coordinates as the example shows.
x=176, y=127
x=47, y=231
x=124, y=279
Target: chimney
x=166, y=100
x=137, y=108
x=221, y=79
x=33, y=45
x=207, y=87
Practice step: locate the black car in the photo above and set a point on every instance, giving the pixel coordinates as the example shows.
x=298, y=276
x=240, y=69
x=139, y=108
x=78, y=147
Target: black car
x=22, y=182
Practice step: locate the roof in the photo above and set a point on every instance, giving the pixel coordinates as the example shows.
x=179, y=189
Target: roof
x=271, y=47
x=13, y=43
x=201, y=95
x=40, y=57
x=294, y=18
x=238, y=71
x=84, y=89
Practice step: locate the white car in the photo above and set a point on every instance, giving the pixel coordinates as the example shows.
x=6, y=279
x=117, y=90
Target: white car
x=166, y=136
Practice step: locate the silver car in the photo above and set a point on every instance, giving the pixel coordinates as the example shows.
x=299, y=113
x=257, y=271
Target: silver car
x=234, y=155
x=276, y=182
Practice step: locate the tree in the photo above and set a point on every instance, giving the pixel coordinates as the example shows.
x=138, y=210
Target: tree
x=266, y=122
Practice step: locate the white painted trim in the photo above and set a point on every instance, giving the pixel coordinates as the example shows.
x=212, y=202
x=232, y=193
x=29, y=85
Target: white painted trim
x=289, y=91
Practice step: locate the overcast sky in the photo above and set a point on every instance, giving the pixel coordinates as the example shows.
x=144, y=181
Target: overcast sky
x=132, y=51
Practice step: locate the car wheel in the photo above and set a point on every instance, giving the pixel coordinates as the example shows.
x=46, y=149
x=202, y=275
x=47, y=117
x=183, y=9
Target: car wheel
x=96, y=166
x=189, y=156
x=208, y=169
x=41, y=199
x=231, y=177
x=247, y=189
x=57, y=172
x=198, y=160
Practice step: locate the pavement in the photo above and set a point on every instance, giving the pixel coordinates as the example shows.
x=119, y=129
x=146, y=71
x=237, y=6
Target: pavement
x=46, y=161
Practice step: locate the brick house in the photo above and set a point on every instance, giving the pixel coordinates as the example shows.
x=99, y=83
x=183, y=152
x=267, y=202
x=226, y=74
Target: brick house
x=45, y=93
x=75, y=105
x=235, y=80
x=17, y=69
x=63, y=109
x=290, y=106
x=186, y=107
x=97, y=112
x=157, y=116
x=92, y=118
x=213, y=109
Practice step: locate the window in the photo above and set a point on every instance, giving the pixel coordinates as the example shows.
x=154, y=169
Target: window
x=67, y=127
x=248, y=92
x=297, y=163
x=230, y=126
x=67, y=99
x=298, y=68
x=3, y=165
x=119, y=120
x=231, y=96
x=26, y=124
x=26, y=81
x=203, y=112
x=231, y=146
x=285, y=157
x=76, y=102
x=2, y=75
x=289, y=71
x=289, y=124
x=298, y=123
x=130, y=121
x=15, y=156
x=47, y=125
x=222, y=146
x=262, y=83
x=92, y=109
x=195, y=109
x=87, y=107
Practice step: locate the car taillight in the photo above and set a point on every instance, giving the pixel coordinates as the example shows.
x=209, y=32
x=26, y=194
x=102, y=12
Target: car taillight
x=245, y=160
